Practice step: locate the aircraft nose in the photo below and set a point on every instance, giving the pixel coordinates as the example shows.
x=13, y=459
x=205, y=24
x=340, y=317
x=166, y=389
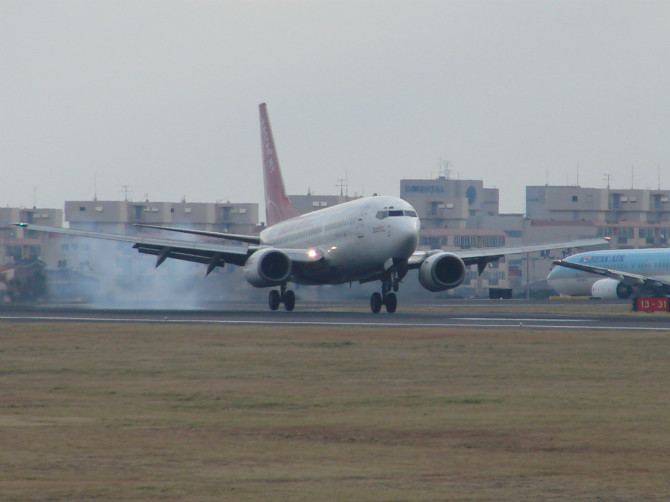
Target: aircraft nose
x=407, y=238
x=555, y=277
x=551, y=277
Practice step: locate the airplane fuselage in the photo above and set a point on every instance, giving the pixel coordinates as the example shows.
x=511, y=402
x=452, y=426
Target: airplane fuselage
x=358, y=238
x=648, y=262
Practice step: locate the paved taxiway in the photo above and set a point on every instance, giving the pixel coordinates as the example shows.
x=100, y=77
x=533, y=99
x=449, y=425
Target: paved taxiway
x=481, y=314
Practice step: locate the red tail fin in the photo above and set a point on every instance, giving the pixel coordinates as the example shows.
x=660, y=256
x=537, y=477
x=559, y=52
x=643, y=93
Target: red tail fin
x=277, y=206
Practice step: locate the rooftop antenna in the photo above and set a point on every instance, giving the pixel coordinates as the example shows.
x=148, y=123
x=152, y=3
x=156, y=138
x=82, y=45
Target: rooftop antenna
x=34, y=197
x=343, y=183
x=126, y=190
x=607, y=177
x=577, y=173
x=95, y=186
x=443, y=170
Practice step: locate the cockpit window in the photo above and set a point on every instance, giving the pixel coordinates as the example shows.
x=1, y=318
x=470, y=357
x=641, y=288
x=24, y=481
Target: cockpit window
x=395, y=212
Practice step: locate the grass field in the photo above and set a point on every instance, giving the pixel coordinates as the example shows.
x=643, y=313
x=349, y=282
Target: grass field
x=165, y=412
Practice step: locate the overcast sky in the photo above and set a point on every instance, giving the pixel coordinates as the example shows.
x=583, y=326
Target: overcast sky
x=163, y=96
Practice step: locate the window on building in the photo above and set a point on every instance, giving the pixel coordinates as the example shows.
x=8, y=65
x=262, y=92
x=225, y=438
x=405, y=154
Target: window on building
x=14, y=252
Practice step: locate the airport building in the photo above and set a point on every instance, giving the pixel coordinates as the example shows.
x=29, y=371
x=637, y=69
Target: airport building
x=600, y=205
x=450, y=203
x=122, y=216
x=22, y=270
x=18, y=244
x=311, y=202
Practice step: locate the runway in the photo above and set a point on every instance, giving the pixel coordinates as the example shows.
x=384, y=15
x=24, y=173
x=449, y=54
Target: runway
x=484, y=314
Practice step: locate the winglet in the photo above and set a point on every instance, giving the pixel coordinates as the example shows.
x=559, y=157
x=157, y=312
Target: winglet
x=277, y=206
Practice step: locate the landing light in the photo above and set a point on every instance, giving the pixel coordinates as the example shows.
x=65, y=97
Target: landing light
x=312, y=253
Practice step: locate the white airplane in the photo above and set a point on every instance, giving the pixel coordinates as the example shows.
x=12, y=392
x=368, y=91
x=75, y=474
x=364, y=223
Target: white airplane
x=368, y=239
x=613, y=274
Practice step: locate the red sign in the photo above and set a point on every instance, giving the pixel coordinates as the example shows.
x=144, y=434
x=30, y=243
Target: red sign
x=659, y=304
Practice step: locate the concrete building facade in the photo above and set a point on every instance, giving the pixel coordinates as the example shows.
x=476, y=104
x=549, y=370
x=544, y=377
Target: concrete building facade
x=312, y=202
x=121, y=216
x=575, y=203
x=450, y=203
x=16, y=243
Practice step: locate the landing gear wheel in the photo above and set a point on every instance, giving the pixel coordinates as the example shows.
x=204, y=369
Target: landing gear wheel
x=391, y=302
x=376, y=303
x=289, y=300
x=274, y=299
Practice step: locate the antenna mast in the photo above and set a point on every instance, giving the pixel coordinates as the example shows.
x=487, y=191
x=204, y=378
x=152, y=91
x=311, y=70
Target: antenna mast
x=343, y=184
x=126, y=190
x=577, y=173
x=443, y=169
x=607, y=177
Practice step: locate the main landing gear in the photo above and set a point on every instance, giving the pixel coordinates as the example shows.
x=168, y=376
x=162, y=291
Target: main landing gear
x=287, y=297
x=387, y=297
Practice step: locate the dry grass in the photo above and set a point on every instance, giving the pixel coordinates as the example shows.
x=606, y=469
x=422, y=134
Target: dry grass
x=146, y=412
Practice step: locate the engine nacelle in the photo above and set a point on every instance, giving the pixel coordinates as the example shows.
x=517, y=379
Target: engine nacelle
x=609, y=289
x=441, y=271
x=267, y=267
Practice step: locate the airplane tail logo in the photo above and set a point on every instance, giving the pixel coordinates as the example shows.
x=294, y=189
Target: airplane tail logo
x=277, y=206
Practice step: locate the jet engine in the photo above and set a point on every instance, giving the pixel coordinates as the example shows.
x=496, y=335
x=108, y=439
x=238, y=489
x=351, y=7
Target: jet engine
x=267, y=267
x=441, y=271
x=609, y=289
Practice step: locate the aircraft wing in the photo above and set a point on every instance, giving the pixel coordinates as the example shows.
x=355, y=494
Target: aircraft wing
x=211, y=254
x=626, y=278
x=251, y=239
x=482, y=256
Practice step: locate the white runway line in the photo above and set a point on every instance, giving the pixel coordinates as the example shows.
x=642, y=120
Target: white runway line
x=489, y=323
